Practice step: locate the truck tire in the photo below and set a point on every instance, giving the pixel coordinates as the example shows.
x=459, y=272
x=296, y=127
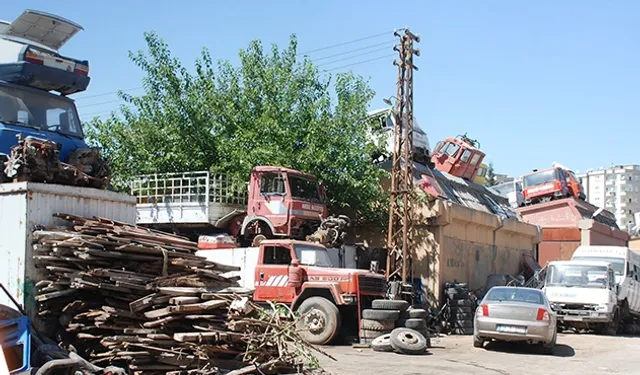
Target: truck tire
x=417, y=324
x=388, y=304
x=408, y=341
x=611, y=328
x=380, y=314
x=382, y=344
x=414, y=314
x=321, y=321
x=377, y=325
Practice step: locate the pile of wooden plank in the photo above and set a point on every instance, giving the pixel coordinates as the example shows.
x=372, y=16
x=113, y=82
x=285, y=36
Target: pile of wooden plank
x=129, y=296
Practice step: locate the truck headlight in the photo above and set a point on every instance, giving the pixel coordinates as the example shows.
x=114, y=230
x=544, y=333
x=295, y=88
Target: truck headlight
x=602, y=307
x=349, y=299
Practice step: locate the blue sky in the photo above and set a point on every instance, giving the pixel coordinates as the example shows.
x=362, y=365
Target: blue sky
x=534, y=82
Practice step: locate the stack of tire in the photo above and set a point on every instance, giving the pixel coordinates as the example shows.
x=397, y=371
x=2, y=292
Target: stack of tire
x=380, y=319
x=462, y=308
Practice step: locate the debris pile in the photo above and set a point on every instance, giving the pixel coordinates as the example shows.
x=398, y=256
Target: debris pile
x=37, y=160
x=124, y=295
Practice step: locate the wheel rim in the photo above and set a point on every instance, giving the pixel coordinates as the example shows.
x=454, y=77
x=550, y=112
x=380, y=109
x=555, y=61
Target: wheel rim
x=409, y=338
x=315, y=321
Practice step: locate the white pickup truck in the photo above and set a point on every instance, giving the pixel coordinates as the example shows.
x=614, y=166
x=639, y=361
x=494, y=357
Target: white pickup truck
x=597, y=289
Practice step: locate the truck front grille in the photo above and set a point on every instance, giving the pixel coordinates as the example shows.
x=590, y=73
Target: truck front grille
x=372, y=285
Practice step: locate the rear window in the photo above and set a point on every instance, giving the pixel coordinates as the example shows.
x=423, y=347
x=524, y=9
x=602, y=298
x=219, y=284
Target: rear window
x=533, y=296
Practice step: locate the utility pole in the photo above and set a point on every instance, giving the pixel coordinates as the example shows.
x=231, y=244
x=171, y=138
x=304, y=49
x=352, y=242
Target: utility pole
x=401, y=211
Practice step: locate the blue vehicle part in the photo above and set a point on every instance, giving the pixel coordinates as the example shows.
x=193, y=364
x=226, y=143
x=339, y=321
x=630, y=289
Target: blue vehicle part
x=15, y=340
x=44, y=77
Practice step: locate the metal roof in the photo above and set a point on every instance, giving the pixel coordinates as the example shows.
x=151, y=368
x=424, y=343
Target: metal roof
x=463, y=192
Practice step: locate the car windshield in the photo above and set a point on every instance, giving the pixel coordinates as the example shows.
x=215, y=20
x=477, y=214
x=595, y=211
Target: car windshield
x=616, y=263
x=540, y=178
x=41, y=111
x=515, y=295
x=312, y=255
x=577, y=276
x=304, y=189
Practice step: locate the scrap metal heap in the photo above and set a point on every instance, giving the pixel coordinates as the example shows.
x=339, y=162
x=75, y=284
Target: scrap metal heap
x=124, y=295
x=37, y=160
x=332, y=231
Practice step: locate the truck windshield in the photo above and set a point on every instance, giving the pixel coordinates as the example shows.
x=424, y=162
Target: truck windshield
x=616, y=263
x=42, y=111
x=304, y=189
x=540, y=178
x=577, y=276
x=311, y=255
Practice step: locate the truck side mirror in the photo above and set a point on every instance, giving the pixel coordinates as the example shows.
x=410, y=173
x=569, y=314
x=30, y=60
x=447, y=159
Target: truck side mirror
x=617, y=289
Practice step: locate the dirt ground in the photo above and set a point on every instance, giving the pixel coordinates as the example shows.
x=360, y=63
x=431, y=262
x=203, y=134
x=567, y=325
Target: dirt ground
x=582, y=354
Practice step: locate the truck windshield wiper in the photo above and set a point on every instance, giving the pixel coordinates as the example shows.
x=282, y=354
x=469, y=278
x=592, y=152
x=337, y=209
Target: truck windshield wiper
x=19, y=123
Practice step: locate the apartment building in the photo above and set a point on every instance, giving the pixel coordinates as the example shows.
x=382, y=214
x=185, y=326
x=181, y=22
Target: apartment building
x=617, y=189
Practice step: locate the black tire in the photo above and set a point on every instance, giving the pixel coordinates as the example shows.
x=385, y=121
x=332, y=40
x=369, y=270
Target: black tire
x=414, y=314
x=408, y=341
x=417, y=324
x=366, y=334
x=477, y=343
x=611, y=329
x=547, y=348
x=321, y=323
x=382, y=343
x=387, y=304
x=380, y=314
x=377, y=325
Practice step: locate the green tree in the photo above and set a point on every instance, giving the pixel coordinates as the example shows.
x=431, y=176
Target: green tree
x=490, y=180
x=270, y=109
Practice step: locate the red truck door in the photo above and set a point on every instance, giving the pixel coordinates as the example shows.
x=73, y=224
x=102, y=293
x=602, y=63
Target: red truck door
x=268, y=199
x=272, y=274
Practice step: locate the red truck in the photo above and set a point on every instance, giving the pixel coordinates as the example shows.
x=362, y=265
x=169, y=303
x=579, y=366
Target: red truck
x=460, y=156
x=303, y=275
x=279, y=203
x=549, y=184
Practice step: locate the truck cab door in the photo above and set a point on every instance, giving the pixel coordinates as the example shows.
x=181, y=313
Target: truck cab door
x=269, y=198
x=272, y=275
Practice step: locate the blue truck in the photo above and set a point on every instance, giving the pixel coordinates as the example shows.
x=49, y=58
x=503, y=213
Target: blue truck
x=35, y=81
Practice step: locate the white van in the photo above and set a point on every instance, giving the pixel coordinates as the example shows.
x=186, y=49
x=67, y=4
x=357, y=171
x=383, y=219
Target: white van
x=626, y=266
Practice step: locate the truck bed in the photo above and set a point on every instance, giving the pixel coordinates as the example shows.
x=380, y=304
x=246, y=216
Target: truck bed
x=195, y=198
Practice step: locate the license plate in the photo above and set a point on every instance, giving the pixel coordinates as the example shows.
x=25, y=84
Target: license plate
x=511, y=329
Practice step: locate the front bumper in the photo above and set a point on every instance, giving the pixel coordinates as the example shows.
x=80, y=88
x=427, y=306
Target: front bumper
x=537, y=332
x=583, y=316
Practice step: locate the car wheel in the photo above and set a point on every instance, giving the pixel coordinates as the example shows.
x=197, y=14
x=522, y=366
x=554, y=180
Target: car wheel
x=477, y=343
x=548, y=347
x=321, y=321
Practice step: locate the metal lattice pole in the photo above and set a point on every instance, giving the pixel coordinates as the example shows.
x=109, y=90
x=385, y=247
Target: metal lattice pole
x=401, y=210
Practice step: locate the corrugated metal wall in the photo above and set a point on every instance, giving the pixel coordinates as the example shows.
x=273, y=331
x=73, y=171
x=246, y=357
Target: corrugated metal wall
x=25, y=205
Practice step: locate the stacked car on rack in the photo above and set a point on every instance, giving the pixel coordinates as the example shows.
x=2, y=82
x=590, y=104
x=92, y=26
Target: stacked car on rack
x=392, y=326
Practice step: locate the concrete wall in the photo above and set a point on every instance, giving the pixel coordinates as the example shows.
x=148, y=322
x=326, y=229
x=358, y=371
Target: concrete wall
x=458, y=243
x=634, y=243
x=594, y=233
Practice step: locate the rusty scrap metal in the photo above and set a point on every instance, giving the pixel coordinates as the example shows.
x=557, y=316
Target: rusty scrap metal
x=38, y=160
x=332, y=231
x=401, y=210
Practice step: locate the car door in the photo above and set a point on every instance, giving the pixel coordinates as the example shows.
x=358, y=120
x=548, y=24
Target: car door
x=272, y=274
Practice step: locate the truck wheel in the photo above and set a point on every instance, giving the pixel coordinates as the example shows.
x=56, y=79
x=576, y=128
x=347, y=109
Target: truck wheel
x=611, y=328
x=320, y=322
x=408, y=341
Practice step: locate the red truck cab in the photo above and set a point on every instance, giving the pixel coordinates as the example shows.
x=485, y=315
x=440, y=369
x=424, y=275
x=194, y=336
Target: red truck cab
x=460, y=156
x=282, y=203
x=301, y=275
x=550, y=184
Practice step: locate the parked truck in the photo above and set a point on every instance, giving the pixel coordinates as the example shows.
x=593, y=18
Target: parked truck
x=460, y=156
x=597, y=289
x=305, y=276
x=545, y=185
x=279, y=203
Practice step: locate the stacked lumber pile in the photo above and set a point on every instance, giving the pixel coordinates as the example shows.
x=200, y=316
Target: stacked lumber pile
x=132, y=297
x=37, y=160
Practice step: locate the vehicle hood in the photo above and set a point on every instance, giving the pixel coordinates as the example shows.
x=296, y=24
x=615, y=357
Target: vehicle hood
x=577, y=295
x=9, y=133
x=340, y=272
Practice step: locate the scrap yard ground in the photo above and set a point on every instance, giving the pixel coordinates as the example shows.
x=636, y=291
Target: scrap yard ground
x=582, y=354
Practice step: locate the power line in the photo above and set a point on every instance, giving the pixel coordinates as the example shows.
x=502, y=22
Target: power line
x=354, y=56
x=354, y=50
x=110, y=93
x=346, y=43
x=359, y=62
